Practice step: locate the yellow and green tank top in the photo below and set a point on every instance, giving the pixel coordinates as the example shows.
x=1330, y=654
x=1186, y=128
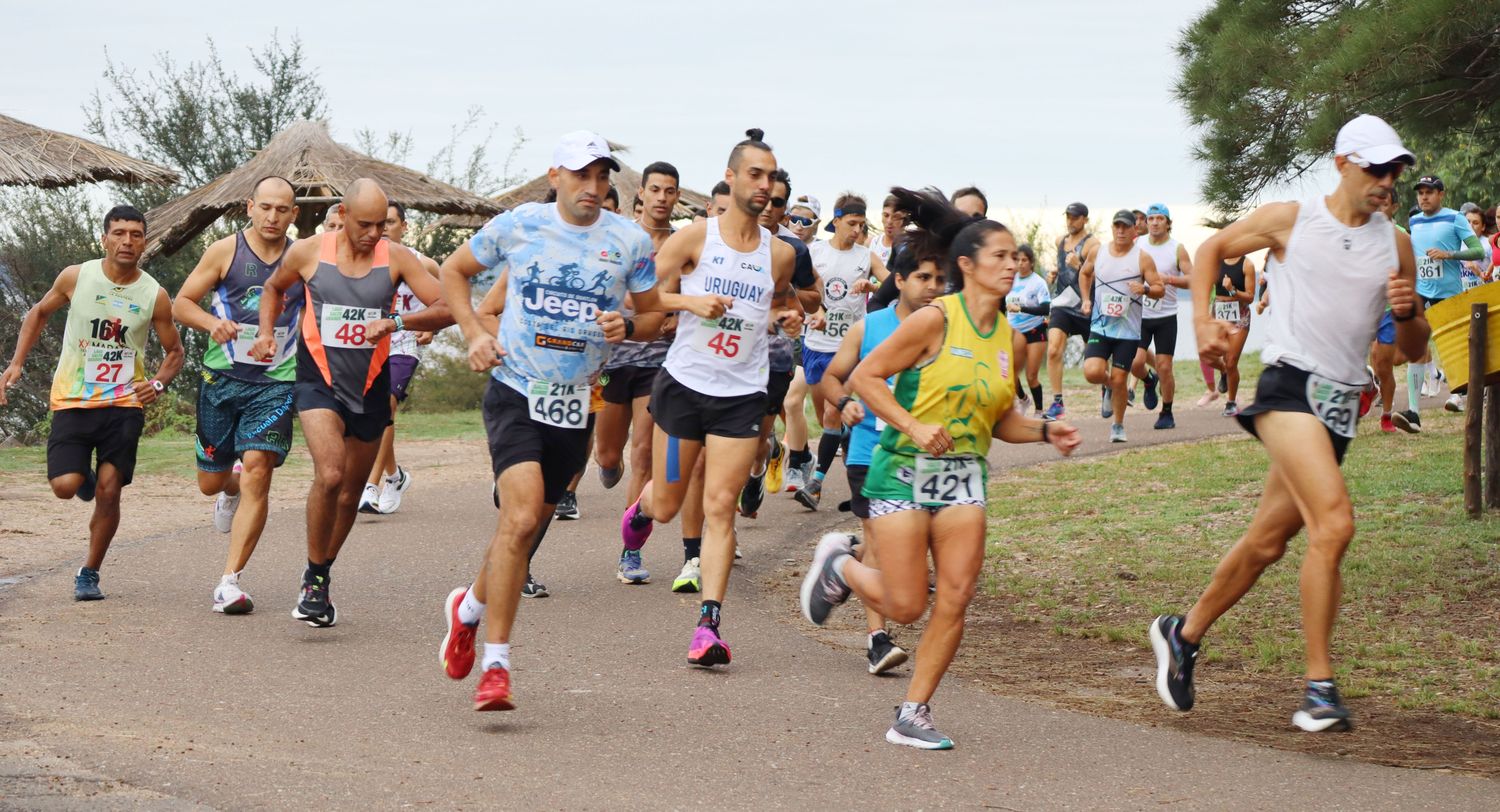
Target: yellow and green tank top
x=104, y=342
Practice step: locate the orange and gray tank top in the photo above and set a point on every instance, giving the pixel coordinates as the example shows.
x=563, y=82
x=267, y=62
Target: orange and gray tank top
x=237, y=298
x=104, y=342
x=334, y=346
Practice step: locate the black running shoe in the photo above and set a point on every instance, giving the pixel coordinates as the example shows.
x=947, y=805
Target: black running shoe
x=753, y=495
x=86, y=585
x=1408, y=421
x=1165, y=421
x=1322, y=710
x=316, y=607
x=532, y=589
x=1174, y=662
x=85, y=491
x=884, y=653
x=567, y=507
x=811, y=494
x=1151, y=399
x=1223, y=384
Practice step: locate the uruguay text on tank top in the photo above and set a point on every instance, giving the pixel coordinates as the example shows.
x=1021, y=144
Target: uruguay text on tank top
x=839, y=270
x=1165, y=257
x=1117, y=311
x=726, y=356
x=1328, y=293
x=340, y=311
x=237, y=299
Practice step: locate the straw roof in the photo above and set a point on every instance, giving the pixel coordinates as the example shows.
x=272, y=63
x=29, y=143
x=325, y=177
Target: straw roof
x=320, y=169
x=627, y=181
x=34, y=156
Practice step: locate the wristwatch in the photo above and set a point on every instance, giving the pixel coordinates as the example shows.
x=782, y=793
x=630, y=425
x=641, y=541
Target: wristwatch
x=844, y=401
x=158, y=386
x=400, y=323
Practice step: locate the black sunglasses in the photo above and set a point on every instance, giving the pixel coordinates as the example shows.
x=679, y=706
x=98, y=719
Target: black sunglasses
x=778, y=202
x=799, y=220
x=1385, y=170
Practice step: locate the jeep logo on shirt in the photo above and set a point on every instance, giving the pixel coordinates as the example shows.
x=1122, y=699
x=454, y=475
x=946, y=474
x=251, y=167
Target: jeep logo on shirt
x=559, y=304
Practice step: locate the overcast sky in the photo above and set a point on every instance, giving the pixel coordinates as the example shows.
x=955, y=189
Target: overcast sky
x=1038, y=103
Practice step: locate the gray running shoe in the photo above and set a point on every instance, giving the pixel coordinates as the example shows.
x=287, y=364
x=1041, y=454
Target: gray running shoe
x=1116, y=433
x=1322, y=709
x=1106, y=403
x=884, y=653
x=914, y=728
x=811, y=494
x=823, y=588
x=86, y=585
x=610, y=477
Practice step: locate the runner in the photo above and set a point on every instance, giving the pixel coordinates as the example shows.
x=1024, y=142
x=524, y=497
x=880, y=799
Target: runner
x=611, y=202
x=1233, y=294
x=711, y=395
x=803, y=218
x=100, y=389
x=388, y=481
x=1142, y=228
x=1066, y=318
x=333, y=219
x=892, y=223
x=566, y=267
x=1116, y=277
x=244, y=403
x=342, y=390
x=1337, y=263
x=948, y=401
x=1027, y=306
x=1384, y=358
x=971, y=202
x=844, y=268
x=1159, y=316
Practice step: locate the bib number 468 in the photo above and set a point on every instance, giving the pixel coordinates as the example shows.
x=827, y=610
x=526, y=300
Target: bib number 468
x=557, y=404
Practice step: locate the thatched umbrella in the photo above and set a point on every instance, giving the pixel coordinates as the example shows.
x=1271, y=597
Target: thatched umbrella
x=33, y=156
x=320, y=169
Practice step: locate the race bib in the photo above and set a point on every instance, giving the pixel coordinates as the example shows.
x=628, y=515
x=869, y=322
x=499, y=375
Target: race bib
x=246, y=339
x=1112, y=304
x=1227, y=311
x=1152, y=305
x=558, y=404
x=839, y=322
x=347, y=327
x=1471, y=281
x=1429, y=268
x=108, y=366
x=947, y=480
x=728, y=338
x=1334, y=403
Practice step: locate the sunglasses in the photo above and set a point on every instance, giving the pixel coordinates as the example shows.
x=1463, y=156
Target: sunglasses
x=799, y=220
x=1385, y=170
x=778, y=202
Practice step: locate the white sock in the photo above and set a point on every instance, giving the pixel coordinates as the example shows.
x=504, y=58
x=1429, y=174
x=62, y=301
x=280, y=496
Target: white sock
x=496, y=654
x=470, y=610
x=872, y=636
x=841, y=562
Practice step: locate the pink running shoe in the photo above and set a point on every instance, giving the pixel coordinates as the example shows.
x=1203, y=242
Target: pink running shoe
x=707, y=649
x=635, y=537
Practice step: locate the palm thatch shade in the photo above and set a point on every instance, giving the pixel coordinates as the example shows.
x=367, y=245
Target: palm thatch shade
x=33, y=156
x=627, y=181
x=320, y=169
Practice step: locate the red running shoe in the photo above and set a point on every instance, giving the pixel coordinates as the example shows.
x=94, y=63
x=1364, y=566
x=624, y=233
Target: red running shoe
x=457, y=652
x=493, y=693
x=1366, y=400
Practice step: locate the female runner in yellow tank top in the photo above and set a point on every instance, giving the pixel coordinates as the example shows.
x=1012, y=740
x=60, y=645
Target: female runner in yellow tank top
x=954, y=363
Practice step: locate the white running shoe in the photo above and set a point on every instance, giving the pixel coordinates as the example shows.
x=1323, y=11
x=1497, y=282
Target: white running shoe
x=796, y=480
x=369, y=501
x=1455, y=403
x=229, y=599
x=392, y=487
x=224, y=508
x=1208, y=397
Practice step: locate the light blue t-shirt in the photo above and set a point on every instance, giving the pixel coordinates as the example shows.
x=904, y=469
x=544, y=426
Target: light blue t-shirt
x=561, y=277
x=1028, y=291
x=1445, y=229
x=878, y=327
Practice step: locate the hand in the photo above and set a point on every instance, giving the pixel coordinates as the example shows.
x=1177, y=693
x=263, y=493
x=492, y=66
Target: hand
x=1213, y=340
x=1073, y=260
x=485, y=352
x=224, y=331
x=8, y=379
x=1013, y=307
x=1402, y=295
x=790, y=320
x=853, y=413
x=1051, y=278
x=709, y=307
x=1063, y=437
x=1227, y=284
x=144, y=392
x=932, y=439
x=1088, y=308
x=264, y=348
x=1438, y=253
x=862, y=286
x=818, y=320
x=669, y=326
x=613, y=325
x=424, y=337
x=1137, y=288
x=379, y=328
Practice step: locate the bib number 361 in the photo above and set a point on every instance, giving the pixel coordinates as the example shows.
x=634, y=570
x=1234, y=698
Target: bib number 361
x=1334, y=403
x=1429, y=268
x=556, y=404
x=947, y=480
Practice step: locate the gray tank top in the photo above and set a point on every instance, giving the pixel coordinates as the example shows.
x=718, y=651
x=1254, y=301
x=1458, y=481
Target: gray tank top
x=237, y=298
x=333, y=348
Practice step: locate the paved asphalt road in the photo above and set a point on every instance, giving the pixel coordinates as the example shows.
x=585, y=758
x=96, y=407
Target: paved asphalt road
x=148, y=699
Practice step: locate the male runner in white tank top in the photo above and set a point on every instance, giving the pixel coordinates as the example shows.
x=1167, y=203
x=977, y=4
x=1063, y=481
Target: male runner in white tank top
x=1113, y=281
x=1338, y=262
x=710, y=396
x=1159, y=316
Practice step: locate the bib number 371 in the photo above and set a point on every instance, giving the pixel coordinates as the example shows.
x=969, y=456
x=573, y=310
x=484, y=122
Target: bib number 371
x=556, y=404
x=947, y=480
x=1334, y=403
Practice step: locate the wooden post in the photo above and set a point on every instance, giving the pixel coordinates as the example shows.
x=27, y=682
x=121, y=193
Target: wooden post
x=1492, y=446
x=1474, y=416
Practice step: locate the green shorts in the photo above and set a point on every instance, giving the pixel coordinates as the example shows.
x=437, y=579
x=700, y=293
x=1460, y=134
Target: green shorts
x=893, y=477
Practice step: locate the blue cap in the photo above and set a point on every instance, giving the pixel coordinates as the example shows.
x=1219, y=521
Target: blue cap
x=1158, y=208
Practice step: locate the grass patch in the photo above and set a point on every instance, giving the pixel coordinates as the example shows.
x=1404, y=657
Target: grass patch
x=1096, y=546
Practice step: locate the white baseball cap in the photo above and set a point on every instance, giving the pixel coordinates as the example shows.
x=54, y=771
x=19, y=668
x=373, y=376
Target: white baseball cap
x=580, y=148
x=1368, y=140
x=809, y=202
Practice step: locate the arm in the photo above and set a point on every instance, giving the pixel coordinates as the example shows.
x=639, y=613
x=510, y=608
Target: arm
x=493, y=304
x=58, y=295
x=676, y=255
x=787, y=315
x=1473, y=249
x=456, y=271
x=207, y=273
x=1184, y=269
x=1154, y=286
x=1086, y=279
x=1412, y=330
x=171, y=342
x=1247, y=295
x=919, y=336
x=1015, y=427
x=877, y=267
x=1265, y=228
x=274, y=291
x=436, y=315
x=833, y=387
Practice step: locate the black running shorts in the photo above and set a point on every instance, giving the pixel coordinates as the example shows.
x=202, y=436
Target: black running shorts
x=514, y=437
x=689, y=415
x=1162, y=332
x=114, y=432
x=1072, y=322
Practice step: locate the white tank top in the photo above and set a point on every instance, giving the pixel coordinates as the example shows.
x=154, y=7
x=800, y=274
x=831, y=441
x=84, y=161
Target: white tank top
x=839, y=270
x=1328, y=293
x=880, y=249
x=727, y=356
x=1116, y=311
x=1165, y=257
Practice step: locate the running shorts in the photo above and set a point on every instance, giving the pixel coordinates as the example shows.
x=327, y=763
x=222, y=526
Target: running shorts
x=690, y=415
x=515, y=438
x=366, y=427
x=1069, y=321
x=403, y=367
x=814, y=364
x=1386, y=333
x=1119, y=351
x=891, y=478
x=776, y=389
x=236, y=416
x=114, y=432
x=624, y=384
x=1037, y=334
x=1283, y=388
x=1162, y=332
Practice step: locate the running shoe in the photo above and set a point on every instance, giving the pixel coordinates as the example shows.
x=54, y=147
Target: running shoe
x=1151, y=398
x=1455, y=403
x=808, y=468
x=1056, y=410
x=1366, y=400
x=1116, y=433
x=493, y=693
x=567, y=507
x=1408, y=421
x=1106, y=403
x=533, y=589
x=1040, y=415
x=391, y=490
x=610, y=477
x=823, y=588
x=630, y=570
x=1165, y=421
x=1429, y=386
x=810, y=496
x=1174, y=662
x=884, y=653
x=753, y=495
x=691, y=577
x=635, y=528
x=224, y=508
x=707, y=649
x=316, y=606
x=1322, y=709
x=1387, y=425
x=1230, y=409
x=1208, y=397
x=369, y=501
x=794, y=478
x=1130, y=397
x=457, y=651
x=914, y=728
x=229, y=599
x=86, y=585
x=775, y=466
x=85, y=492
x=1223, y=384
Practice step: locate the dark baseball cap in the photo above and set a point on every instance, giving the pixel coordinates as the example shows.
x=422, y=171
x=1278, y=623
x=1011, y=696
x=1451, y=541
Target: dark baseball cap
x=1429, y=180
x=1124, y=217
x=1077, y=210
